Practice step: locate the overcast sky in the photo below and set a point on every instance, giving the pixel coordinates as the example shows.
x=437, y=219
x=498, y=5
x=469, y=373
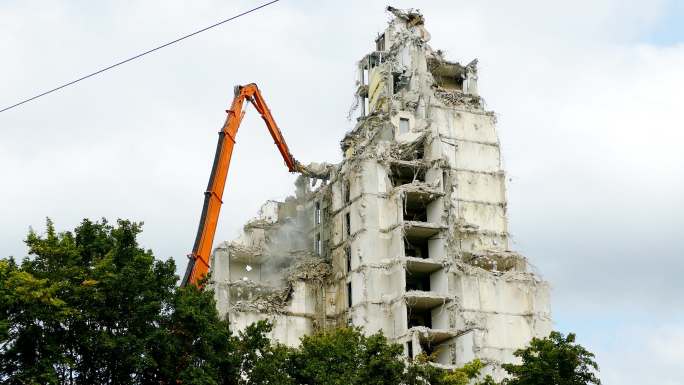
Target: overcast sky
x=588, y=94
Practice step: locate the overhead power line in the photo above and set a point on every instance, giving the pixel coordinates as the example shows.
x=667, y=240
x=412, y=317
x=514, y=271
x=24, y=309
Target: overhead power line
x=138, y=55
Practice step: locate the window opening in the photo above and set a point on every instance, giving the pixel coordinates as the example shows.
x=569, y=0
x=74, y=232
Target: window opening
x=380, y=43
x=420, y=152
x=448, y=76
x=347, y=255
x=399, y=81
x=403, y=125
x=417, y=281
x=415, y=210
x=417, y=248
x=400, y=174
x=419, y=318
x=317, y=244
x=428, y=347
x=347, y=224
x=346, y=192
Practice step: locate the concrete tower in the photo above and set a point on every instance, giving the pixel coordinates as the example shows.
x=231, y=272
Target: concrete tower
x=409, y=235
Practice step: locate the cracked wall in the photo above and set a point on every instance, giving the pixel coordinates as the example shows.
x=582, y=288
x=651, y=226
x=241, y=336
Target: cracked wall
x=408, y=234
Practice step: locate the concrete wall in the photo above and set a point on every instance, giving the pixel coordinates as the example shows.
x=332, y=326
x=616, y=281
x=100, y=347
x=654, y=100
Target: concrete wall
x=481, y=303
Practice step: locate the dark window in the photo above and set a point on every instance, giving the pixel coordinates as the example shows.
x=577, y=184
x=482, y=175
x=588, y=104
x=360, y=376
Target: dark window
x=419, y=318
x=347, y=256
x=417, y=281
x=399, y=82
x=420, y=152
x=347, y=224
x=317, y=244
x=349, y=294
x=417, y=248
x=415, y=210
x=346, y=192
x=409, y=349
x=400, y=175
x=428, y=347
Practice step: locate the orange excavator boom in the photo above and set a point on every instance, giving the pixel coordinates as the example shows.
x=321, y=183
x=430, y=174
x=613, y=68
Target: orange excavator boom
x=198, y=264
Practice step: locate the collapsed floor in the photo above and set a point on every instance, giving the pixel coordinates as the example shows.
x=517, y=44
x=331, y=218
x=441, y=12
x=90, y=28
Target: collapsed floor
x=409, y=233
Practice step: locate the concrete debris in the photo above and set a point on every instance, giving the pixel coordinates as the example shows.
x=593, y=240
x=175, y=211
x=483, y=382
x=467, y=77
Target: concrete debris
x=258, y=223
x=250, y=296
x=497, y=260
x=239, y=251
x=457, y=98
x=422, y=190
x=309, y=269
x=412, y=150
x=408, y=234
x=411, y=16
x=317, y=170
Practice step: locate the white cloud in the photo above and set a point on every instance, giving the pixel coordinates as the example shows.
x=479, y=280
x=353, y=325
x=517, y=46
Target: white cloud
x=589, y=120
x=643, y=355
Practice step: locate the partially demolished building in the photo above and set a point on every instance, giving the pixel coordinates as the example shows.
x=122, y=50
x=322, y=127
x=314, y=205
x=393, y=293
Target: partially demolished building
x=409, y=234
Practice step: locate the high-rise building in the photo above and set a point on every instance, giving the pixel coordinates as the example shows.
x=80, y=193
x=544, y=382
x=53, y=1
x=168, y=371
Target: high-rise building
x=409, y=234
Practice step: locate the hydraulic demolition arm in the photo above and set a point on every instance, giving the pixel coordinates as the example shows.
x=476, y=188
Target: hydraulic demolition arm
x=198, y=264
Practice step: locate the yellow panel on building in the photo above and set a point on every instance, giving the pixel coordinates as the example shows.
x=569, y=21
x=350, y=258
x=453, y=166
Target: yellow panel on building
x=376, y=88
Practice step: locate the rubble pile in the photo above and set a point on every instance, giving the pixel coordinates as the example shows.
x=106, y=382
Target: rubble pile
x=457, y=98
x=309, y=269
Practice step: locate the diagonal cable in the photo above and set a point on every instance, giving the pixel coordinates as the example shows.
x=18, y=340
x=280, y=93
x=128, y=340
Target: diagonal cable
x=138, y=55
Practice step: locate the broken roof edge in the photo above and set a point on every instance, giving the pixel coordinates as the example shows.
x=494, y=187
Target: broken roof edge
x=412, y=16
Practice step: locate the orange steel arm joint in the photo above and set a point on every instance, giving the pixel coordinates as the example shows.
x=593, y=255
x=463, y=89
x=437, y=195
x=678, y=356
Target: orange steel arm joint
x=198, y=264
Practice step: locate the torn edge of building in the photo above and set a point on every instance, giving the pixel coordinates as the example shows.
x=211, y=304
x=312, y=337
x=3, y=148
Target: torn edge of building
x=409, y=235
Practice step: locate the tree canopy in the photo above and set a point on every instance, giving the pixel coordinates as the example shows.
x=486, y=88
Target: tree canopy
x=554, y=360
x=90, y=306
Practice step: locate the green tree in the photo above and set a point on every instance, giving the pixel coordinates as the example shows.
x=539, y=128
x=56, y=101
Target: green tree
x=30, y=327
x=465, y=375
x=420, y=372
x=192, y=344
x=554, y=360
x=92, y=307
x=345, y=356
x=263, y=362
